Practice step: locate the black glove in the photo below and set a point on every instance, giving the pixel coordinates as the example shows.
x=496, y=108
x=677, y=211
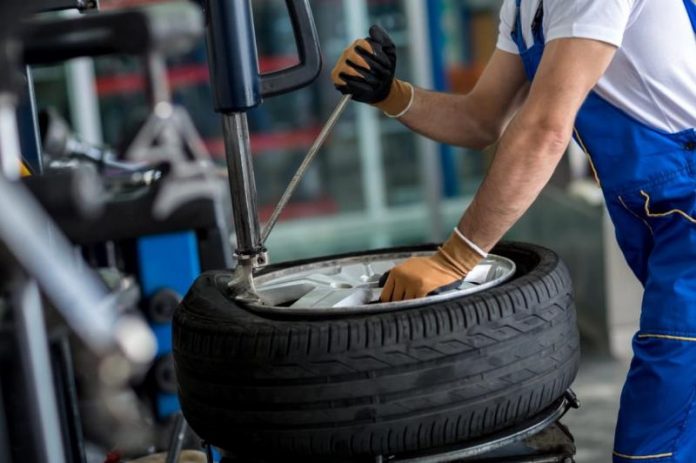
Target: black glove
x=366, y=68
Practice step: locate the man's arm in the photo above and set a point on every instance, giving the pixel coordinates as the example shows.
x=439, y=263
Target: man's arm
x=537, y=137
x=477, y=119
x=527, y=155
x=366, y=70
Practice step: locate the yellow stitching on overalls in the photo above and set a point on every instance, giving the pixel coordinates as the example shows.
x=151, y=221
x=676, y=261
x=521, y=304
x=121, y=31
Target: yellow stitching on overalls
x=636, y=216
x=664, y=214
x=666, y=336
x=589, y=157
x=643, y=457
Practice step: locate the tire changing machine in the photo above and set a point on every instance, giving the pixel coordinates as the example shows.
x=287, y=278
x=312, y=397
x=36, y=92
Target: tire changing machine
x=237, y=88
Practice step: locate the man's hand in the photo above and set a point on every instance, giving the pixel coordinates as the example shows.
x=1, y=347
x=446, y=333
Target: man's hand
x=366, y=71
x=420, y=276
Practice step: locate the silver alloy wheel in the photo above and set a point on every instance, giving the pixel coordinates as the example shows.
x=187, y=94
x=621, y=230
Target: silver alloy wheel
x=351, y=285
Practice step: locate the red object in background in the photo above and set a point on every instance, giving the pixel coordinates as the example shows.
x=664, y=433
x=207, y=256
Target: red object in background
x=180, y=76
x=113, y=457
x=198, y=74
x=270, y=141
x=300, y=210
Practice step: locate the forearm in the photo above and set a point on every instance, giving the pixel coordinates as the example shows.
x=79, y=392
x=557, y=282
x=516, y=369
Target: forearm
x=448, y=118
x=536, y=139
x=525, y=161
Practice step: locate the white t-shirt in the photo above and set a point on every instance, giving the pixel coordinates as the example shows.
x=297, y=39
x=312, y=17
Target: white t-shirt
x=653, y=75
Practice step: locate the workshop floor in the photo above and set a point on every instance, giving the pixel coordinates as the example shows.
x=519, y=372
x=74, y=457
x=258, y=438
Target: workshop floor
x=598, y=387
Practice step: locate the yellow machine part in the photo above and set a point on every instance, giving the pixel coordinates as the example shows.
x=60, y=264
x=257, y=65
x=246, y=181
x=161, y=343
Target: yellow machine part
x=24, y=170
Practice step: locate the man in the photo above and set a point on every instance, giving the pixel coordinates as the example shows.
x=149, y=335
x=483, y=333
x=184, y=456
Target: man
x=620, y=76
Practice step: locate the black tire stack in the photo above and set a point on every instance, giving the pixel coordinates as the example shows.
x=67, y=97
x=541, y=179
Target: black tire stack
x=378, y=384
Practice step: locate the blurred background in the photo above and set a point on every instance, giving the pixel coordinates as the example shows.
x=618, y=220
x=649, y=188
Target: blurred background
x=376, y=184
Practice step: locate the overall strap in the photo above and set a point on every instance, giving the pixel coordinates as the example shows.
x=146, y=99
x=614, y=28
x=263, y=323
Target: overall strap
x=691, y=9
x=517, y=35
x=537, y=27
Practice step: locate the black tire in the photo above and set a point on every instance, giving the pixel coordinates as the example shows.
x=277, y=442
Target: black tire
x=377, y=384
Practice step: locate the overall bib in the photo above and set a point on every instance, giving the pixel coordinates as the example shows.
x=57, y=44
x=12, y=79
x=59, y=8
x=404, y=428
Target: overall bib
x=649, y=181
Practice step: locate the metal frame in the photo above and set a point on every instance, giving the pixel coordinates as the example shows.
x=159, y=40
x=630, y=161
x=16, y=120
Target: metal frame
x=238, y=87
x=37, y=370
x=36, y=255
x=168, y=132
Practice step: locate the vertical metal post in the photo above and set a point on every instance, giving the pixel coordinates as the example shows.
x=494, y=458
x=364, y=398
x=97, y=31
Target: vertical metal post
x=33, y=346
x=232, y=58
x=157, y=80
x=437, y=42
x=236, y=86
x=159, y=96
x=427, y=149
x=369, y=139
x=9, y=141
x=82, y=94
x=83, y=100
x=242, y=184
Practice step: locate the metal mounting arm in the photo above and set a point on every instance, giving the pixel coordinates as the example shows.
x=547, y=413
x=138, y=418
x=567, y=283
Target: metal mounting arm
x=238, y=87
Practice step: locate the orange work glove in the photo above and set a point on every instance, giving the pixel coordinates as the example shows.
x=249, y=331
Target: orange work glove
x=420, y=276
x=366, y=71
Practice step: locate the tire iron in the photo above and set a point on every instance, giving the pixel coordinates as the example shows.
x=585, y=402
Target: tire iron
x=302, y=170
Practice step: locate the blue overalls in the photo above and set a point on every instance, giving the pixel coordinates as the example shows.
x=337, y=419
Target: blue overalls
x=649, y=181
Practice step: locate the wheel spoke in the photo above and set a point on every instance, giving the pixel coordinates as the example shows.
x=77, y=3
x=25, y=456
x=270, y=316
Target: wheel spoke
x=329, y=297
x=364, y=273
x=282, y=293
x=481, y=273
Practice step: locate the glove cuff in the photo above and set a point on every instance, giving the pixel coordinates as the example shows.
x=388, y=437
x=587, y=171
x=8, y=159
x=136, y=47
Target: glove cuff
x=460, y=255
x=399, y=100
